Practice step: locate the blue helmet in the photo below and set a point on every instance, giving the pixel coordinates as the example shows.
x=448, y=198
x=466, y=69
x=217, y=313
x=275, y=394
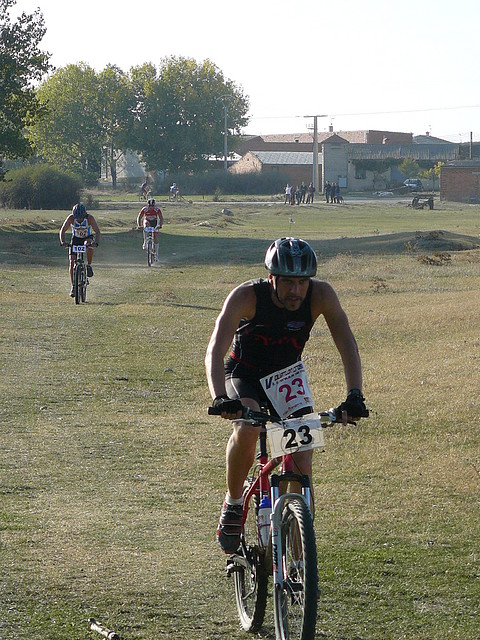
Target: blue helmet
x=79, y=211
x=291, y=257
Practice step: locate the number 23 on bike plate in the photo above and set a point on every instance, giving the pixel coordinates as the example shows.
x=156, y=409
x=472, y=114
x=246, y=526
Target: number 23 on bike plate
x=288, y=391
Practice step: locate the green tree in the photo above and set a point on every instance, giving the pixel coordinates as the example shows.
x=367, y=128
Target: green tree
x=88, y=116
x=70, y=134
x=410, y=168
x=22, y=63
x=179, y=117
x=117, y=104
x=432, y=174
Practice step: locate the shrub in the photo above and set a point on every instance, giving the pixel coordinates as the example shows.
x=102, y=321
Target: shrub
x=39, y=186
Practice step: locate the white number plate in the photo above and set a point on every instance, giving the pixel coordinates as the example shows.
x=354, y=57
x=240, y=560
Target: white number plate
x=79, y=248
x=288, y=389
x=149, y=229
x=296, y=434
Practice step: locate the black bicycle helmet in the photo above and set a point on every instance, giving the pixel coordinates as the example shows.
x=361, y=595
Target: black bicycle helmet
x=291, y=257
x=79, y=211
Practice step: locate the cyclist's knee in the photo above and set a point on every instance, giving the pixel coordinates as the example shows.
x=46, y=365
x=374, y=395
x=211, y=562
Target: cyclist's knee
x=303, y=460
x=244, y=437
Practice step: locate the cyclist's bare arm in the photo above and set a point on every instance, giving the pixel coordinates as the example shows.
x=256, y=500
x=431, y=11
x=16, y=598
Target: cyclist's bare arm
x=65, y=227
x=325, y=302
x=241, y=303
x=93, y=222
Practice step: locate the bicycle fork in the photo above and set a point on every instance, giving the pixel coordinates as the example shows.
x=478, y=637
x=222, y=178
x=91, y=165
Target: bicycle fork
x=278, y=502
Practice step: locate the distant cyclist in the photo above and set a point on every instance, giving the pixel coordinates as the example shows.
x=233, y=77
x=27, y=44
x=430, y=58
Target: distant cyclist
x=151, y=216
x=174, y=191
x=145, y=189
x=84, y=227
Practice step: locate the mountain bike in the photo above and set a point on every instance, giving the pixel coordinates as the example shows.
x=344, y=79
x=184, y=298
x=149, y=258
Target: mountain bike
x=79, y=274
x=150, y=245
x=277, y=529
x=144, y=194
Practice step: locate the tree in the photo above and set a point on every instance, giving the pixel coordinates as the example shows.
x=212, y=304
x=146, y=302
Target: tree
x=432, y=174
x=410, y=168
x=117, y=103
x=87, y=115
x=70, y=133
x=179, y=118
x=22, y=64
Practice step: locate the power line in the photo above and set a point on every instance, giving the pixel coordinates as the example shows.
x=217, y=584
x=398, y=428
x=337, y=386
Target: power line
x=371, y=113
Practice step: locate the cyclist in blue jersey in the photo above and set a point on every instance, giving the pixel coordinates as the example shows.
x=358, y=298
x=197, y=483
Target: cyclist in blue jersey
x=84, y=228
x=267, y=323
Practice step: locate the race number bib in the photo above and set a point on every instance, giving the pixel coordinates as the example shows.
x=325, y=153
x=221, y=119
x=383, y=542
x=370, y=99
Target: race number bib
x=288, y=389
x=296, y=434
x=81, y=233
x=79, y=248
x=149, y=229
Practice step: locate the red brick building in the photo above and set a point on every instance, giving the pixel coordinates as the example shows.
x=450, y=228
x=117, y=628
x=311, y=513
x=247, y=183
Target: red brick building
x=460, y=181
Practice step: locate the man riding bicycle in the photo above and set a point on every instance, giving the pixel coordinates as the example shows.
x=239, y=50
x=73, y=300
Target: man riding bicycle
x=174, y=191
x=85, y=230
x=152, y=217
x=269, y=322
x=145, y=189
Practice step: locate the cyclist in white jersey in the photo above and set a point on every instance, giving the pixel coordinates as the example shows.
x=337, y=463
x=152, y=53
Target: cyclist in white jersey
x=83, y=227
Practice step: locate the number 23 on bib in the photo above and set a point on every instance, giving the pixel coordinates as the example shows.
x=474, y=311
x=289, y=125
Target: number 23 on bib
x=288, y=391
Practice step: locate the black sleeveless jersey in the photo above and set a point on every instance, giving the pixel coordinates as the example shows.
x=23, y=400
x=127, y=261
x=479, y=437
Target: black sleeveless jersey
x=273, y=339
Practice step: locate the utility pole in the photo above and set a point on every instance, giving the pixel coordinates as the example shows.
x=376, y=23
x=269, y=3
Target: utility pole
x=225, y=102
x=315, y=149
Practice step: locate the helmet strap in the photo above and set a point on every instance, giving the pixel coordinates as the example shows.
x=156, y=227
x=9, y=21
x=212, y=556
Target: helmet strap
x=273, y=280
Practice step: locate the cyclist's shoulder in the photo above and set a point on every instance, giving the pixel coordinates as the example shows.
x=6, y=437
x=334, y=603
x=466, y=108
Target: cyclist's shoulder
x=243, y=296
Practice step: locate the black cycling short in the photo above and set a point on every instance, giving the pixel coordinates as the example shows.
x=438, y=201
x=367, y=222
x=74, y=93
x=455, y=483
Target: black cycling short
x=78, y=241
x=243, y=388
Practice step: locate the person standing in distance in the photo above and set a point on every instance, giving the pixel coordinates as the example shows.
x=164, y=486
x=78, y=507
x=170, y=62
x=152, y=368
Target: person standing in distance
x=268, y=322
x=84, y=231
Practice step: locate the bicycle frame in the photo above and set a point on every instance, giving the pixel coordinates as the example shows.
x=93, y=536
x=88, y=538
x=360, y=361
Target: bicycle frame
x=149, y=236
x=265, y=484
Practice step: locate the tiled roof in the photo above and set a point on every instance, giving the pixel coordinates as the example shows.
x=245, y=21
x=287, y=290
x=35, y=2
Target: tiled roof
x=286, y=157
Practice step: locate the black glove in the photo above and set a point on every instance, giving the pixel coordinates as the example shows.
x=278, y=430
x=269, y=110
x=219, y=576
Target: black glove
x=354, y=405
x=224, y=403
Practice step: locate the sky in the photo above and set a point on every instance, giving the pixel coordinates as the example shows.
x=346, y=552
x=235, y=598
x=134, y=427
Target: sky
x=409, y=66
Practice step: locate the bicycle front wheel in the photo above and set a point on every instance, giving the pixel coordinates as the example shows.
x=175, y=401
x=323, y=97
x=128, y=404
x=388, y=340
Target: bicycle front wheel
x=150, y=253
x=295, y=603
x=251, y=581
x=77, y=275
x=83, y=285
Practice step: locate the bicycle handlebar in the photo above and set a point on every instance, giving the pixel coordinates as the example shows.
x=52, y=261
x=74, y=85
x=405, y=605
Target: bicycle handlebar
x=261, y=417
x=94, y=243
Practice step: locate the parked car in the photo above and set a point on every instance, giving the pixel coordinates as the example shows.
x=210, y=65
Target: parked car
x=413, y=184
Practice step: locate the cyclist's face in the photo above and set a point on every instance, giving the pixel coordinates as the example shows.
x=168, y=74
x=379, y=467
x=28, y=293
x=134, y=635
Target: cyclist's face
x=291, y=292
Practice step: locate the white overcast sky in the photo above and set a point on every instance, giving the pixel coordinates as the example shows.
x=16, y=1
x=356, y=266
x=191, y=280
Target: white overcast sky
x=367, y=64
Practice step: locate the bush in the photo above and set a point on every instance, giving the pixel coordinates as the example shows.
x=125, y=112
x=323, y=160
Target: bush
x=39, y=186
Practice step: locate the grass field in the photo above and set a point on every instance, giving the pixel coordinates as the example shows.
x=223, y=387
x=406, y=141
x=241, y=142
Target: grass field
x=112, y=474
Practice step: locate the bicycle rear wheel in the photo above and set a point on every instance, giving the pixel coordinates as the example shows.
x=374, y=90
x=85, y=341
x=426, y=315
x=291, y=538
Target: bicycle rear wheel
x=251, y=581
x=295, y=604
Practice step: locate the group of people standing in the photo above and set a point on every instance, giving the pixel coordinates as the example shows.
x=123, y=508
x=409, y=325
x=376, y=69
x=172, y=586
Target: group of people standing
x=300, y=194
x=332, y=192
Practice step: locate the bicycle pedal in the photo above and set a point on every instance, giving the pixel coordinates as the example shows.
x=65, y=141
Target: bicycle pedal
x=232, y=566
